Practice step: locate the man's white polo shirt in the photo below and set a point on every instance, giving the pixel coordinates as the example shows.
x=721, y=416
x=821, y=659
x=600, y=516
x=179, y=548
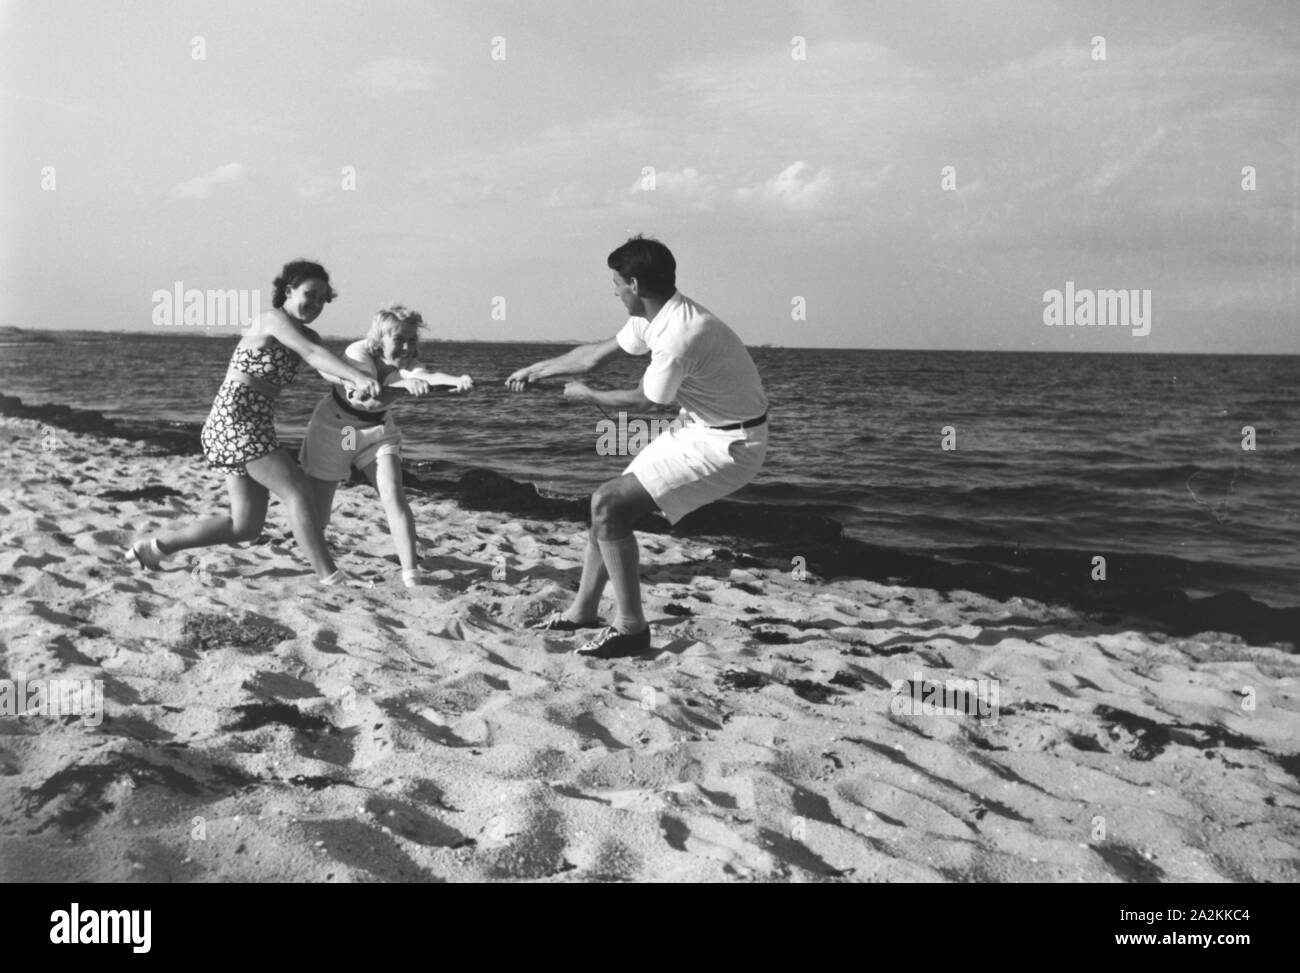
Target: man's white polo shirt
x=698, y=361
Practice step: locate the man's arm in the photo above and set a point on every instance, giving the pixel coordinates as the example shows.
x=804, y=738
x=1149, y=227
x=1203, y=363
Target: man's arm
x=628, y=400
x=579, y=361
x=656, y=390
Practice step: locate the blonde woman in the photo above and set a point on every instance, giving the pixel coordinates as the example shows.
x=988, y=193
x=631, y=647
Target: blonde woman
x=351, y=429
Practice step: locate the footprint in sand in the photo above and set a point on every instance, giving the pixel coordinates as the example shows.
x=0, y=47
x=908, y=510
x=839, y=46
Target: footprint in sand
x=414, y=825
x=80, y=794
x=9, y=763
x=327, y=640
x=538, y=851
x=281, y=685
x=136, y=727
x=615, y=862
x=314, y=736
x=712, y=839
x=360, y=846
x=791, y=851
x=426, y=721
x=37, y=561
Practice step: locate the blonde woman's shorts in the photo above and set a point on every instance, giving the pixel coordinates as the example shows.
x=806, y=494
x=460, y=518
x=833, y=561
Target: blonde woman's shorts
x=338, y=440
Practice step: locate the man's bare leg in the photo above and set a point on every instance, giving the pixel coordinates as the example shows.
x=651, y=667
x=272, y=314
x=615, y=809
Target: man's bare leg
x=615, y=507
x=586, y=603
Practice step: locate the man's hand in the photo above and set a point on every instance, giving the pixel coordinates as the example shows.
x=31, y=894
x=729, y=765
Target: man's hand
x=463, y=384
x=522, y=378
x=417, y=386
x=577, y=391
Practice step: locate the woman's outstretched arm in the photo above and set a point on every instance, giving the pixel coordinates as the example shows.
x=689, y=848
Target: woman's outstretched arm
x=276, y=324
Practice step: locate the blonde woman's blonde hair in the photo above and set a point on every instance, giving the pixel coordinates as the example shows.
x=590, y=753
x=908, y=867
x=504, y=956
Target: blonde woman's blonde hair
x=388, y=316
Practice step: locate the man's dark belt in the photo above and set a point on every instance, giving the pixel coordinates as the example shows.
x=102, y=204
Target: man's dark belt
x=372, y=417
x=747, y=424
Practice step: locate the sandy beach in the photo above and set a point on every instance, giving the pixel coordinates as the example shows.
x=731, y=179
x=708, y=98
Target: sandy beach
x=259, y=727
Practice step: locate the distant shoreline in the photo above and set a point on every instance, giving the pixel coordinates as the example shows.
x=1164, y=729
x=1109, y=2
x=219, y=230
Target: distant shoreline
x=206, y=333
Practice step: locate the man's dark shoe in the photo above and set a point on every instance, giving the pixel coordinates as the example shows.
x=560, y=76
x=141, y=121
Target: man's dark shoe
x=613, y=644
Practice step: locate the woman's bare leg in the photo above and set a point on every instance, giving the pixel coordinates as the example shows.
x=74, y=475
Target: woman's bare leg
x=322, y=495
x=386, y=475
x=280, y=474
x=244, y=522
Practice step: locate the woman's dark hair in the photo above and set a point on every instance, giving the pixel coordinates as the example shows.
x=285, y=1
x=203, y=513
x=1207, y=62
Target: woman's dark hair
x=293, y=274
x=650, y=262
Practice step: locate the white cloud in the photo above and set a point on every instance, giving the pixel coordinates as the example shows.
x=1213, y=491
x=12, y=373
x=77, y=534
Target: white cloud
x=1117, y=169
x=200, y=187
x=316, y=186
x=469, y=179
x=871, y=181
x=566, y=197
x=791, y=188
x=686, y=187
x=1048, y=61
x=396, y=75
x=228, y=125
x=838, y=75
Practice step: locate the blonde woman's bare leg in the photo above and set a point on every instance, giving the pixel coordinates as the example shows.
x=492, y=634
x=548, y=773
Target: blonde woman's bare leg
x=385, y=473
x=322, y=494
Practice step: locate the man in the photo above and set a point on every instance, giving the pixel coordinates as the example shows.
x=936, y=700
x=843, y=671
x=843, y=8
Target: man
x=700, y=363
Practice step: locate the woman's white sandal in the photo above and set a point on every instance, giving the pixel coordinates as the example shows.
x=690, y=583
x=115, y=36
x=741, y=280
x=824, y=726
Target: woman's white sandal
x=145, y=553
x=341, y=579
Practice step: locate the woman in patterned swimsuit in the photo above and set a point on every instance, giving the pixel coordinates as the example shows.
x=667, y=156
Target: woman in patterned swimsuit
x=239, y=436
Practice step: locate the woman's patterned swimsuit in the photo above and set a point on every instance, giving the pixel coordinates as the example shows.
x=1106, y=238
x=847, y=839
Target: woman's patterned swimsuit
x=240, y=427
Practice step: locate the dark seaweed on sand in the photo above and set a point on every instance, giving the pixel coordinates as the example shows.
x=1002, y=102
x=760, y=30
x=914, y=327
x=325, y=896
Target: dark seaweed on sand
x=202, y=631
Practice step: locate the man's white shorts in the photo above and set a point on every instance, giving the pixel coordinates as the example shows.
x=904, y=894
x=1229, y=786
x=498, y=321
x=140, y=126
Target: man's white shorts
x=325, y=453
x=685, y=468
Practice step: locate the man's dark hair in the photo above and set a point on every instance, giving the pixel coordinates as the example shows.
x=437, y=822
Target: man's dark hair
x=650, y=262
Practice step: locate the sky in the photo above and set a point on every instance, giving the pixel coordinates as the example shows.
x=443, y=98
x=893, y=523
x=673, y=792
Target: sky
x=479, y=160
